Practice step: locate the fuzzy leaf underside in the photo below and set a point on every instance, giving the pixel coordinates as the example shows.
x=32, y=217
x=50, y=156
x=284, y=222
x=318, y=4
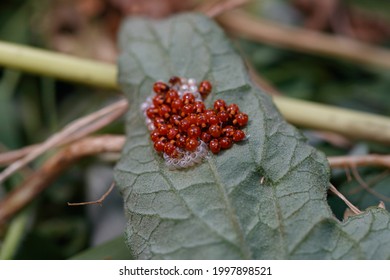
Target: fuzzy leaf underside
x=264, y=198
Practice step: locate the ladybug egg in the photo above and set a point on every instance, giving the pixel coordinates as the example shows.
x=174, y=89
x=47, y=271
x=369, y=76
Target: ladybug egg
x=175, y=120
x=176, y=105
x=158, y=100
x=154, y=135
x=233, y=109
x=169, y=148
x=228, y=131
x=159, y=145
x=238, y=135
x=199, y=106
x=151, y=112
x=225, y=142
x=187, y=109
x=206, y=137
x=191, y=144
x=164, y=111
x=215, y=131
x=223, y=116
x=214, y=146
x=193, y=119
x=205, y=88
x=181, y=126
x=219, y=105
x=171, y=96
x=194, y=131
x=241, y=119
x=160, y=87
x=188, y=98
x=181, y=141
x=172, y=132
x=174, y=80
x=184, y=124
x=201, y=120
x=162, y=129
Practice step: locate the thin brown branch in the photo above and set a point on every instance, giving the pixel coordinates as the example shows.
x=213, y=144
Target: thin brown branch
x=336, y=139
x=98, y=201
x=244, y=25
x=53, y=167
x=75, y=130
x=218, y=7
x=353, y=162
x=372, y=181
x=205, y=6
x=364, y=160
x=97, y=124
x=9, y=157
x=365, y=186
x=348, y=173
x=353, y=208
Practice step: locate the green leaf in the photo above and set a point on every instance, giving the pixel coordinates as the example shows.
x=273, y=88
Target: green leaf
x=263, y=199
x=111, y=250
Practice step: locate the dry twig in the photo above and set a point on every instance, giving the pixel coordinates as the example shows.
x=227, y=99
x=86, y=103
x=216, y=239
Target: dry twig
x=353, y=208
x=99, y=201
x=365, y=186
x=364, y=160
x=352, y=162
x=304, y=40
x=39, y=180
x=372, y=181
x=215, y=8
x=75, y=130
x=8, y=157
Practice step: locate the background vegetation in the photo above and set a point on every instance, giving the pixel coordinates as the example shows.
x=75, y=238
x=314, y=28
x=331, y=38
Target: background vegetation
x=33, y=107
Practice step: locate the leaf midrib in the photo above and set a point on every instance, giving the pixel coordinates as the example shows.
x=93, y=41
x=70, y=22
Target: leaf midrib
x=231, y=212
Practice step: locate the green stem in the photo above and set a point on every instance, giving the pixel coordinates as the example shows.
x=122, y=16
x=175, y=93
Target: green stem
x=307, y=114
x=61, y=66
x=14, y=234
x=347, y=122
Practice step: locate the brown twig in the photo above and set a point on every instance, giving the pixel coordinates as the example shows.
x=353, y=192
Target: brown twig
x=215, y=8
x=353, y=162
x=365, y=186
x=353, y=208
x=370, y=182
x=39, y=180
x=99, y=201
x=8, y=157
x=75, y=130
x=348, y=173
x=364, y=160
x=303, y=40
x=336, y=139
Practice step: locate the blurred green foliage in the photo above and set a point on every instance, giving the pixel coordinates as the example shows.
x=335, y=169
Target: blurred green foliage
x=31, y=109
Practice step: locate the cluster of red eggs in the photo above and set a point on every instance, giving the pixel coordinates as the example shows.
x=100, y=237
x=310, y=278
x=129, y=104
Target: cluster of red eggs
x=179, y=120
